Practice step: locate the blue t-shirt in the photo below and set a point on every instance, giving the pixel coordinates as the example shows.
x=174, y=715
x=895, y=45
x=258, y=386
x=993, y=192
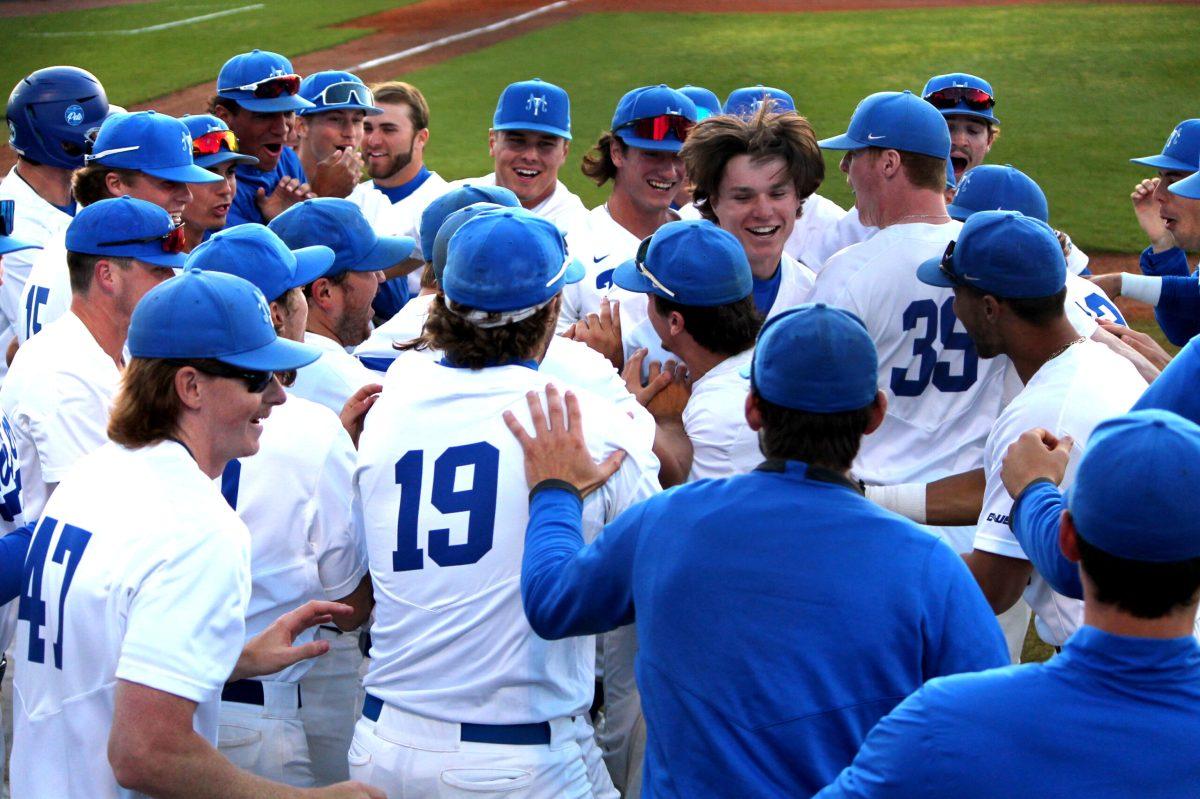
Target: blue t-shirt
x=765, y=291
x=1111, y=717
x=250, y=179
x=780, y=615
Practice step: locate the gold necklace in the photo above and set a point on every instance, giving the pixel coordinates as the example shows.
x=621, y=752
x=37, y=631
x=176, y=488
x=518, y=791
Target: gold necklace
x=1066, y=347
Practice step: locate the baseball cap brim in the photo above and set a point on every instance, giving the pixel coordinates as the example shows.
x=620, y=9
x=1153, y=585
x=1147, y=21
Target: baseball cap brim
x=188, y=173
x=311, y=263
x=628, y=277
x=8, y=245
x=280, y=355
x=1161, y=161
x=369, y=110
x=575, y=272
x=271, y=105
x=966, y=112
x=930, y=272
x=387, y=252
x=553, y=131
x=224, y=157
x=174, y=260
x=664, y=146
x=1188, y=187
x=843, y=142
x=958, y=212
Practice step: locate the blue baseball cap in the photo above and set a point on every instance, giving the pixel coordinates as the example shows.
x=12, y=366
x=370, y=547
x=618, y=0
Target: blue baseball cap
x=212, y=315
x=1181, y=152
x=441, y=243
x=340, y=225
x=8, y=212
x=746, y=101
x=957, y=106
x=255, y=253
x=691, y=262
x=505, y=260
x=436, y=212
x=1131, y=511
x=815, y=358
x=336, y=91
x=951, y=181
x=124, y=227
x=9, y=244
x=201, y=125
x=243, y=78
x=1003, y=253
x=650, y=102
x=991, y=187
x=895, y=121
x=707, y=103
x=1189, y=187
x=149, y=142
x=534, y=105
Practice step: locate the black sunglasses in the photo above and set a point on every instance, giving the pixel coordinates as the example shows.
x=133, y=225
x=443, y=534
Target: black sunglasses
x=256, y=382
x=947, y=265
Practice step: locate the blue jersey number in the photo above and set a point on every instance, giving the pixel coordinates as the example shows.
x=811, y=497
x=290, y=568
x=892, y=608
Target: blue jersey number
x=936, y=325
x=10, y=473
x=1101, y=308
x=31, y=607
x=478, y=502
x=231, y=479
x=38, y=295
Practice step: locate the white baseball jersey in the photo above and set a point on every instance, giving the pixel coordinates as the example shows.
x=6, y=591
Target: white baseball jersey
x=796, y=283
x=715, y=420
x=138, y=571
x=942, y=398
x=36, y=222
x=1086, y=302
x=46, y=295
x=333, y=377
x=11, y=516
x=294, y=496
x=57, y=395
x=610, y=246
x=562, y=207
x=402, y=218
x=445, y=505
x=833, y=238
x=818, y=216
x=1069, y=395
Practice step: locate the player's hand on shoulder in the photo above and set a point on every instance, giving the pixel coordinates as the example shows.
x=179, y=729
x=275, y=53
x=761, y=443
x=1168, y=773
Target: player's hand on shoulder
x=287, y=193
x=272, y=650
x=1141, y=345
x=1035, y=455
x=354, y=412
x=669, y=402
x=346, y=790
x=632, y=375
x=602, y=332
x=1146, y=210
x=557, y=449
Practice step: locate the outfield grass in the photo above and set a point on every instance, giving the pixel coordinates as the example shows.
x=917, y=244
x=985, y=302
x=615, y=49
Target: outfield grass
x=139, y=67
x=1081, y=88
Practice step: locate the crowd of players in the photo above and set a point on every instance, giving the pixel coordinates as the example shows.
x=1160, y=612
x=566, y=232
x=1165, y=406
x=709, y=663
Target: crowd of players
x=716, y=489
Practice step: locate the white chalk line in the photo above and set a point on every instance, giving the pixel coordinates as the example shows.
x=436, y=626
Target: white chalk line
x=458, y=37
x=149, y=28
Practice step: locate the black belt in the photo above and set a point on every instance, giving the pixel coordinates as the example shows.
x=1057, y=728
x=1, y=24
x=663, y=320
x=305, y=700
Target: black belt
x=537, y=734
x=250, y=692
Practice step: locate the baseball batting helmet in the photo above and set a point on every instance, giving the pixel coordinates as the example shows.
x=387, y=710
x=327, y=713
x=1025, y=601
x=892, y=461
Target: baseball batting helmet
x=49, y=114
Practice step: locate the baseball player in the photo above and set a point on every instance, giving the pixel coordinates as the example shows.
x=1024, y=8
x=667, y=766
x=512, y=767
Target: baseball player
x=132, y=614
x=294, y=495
x=1008, y=275
x=59, y=388
x=461, y=694
x=257, y=94
x=639, y=154
x=48, y=114
x=331, y=130
x=707, y=104
x=529, y=141
x=761, y=550
x=339, y=302
x=1171, y=220
x=1117, y=710
x=146, y=155
x=942, y=398
x=401, y=186
x=215, y=148
x=967, y=103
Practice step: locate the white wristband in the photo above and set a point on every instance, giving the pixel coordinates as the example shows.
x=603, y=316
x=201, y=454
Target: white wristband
x=907, y=499
x=1146, y=288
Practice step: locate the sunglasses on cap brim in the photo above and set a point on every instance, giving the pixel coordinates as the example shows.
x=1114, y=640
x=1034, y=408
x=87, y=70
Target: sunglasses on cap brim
x=172, y=241
x=639, y=261
x=974, y=99
x=344, y=93
x=947, y=266
x=269, y=88
x=210, y=143
x=657, y=128
x=256, y=382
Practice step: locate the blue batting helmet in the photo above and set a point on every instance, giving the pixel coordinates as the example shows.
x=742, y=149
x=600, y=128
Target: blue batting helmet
x=50, y=112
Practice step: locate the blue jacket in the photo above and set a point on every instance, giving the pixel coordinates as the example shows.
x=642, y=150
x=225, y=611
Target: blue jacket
x=250, y=179
x=780, y=614
x=1111, y=717
x=1178, y=309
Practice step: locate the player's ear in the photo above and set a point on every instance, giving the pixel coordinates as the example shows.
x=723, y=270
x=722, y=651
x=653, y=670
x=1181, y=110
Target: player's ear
x=877, y=413
x=187, y=387
x=1068, y=537
x=115, y=184
x=422, y=138
x=322, y=293
x=103, y=276
x=493, y=140
x=753, y=412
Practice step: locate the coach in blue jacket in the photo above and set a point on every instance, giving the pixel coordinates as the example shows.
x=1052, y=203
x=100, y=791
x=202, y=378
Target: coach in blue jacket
x=780, y=614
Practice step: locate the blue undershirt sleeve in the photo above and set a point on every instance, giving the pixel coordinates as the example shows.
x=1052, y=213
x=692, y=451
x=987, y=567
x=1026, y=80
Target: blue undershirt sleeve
x=569, y=588
x=962, y=634
x=13, y=548
x=1178, y=309
x=1035, y=523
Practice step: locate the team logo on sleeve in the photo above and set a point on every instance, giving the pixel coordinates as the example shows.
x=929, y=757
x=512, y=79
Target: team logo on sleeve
x=537, y=103
x=73, y=115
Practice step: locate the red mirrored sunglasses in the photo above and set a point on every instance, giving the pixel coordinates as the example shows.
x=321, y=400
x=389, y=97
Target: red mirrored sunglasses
x=210, y=143
x=974, y=99
x=657, y=128
x=269, y=88
x=172, y=241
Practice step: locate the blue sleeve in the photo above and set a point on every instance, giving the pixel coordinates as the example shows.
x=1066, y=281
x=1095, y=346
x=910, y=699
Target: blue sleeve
x=897, y=760
x=1167, y=262
x=13, y=548
x=1035, y=522
x=1175, y=389
x=961, y=631
x=1178, y=309
x=570, y=588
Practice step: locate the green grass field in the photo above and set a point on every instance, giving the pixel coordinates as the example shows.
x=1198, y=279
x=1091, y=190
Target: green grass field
x=1082, y=88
